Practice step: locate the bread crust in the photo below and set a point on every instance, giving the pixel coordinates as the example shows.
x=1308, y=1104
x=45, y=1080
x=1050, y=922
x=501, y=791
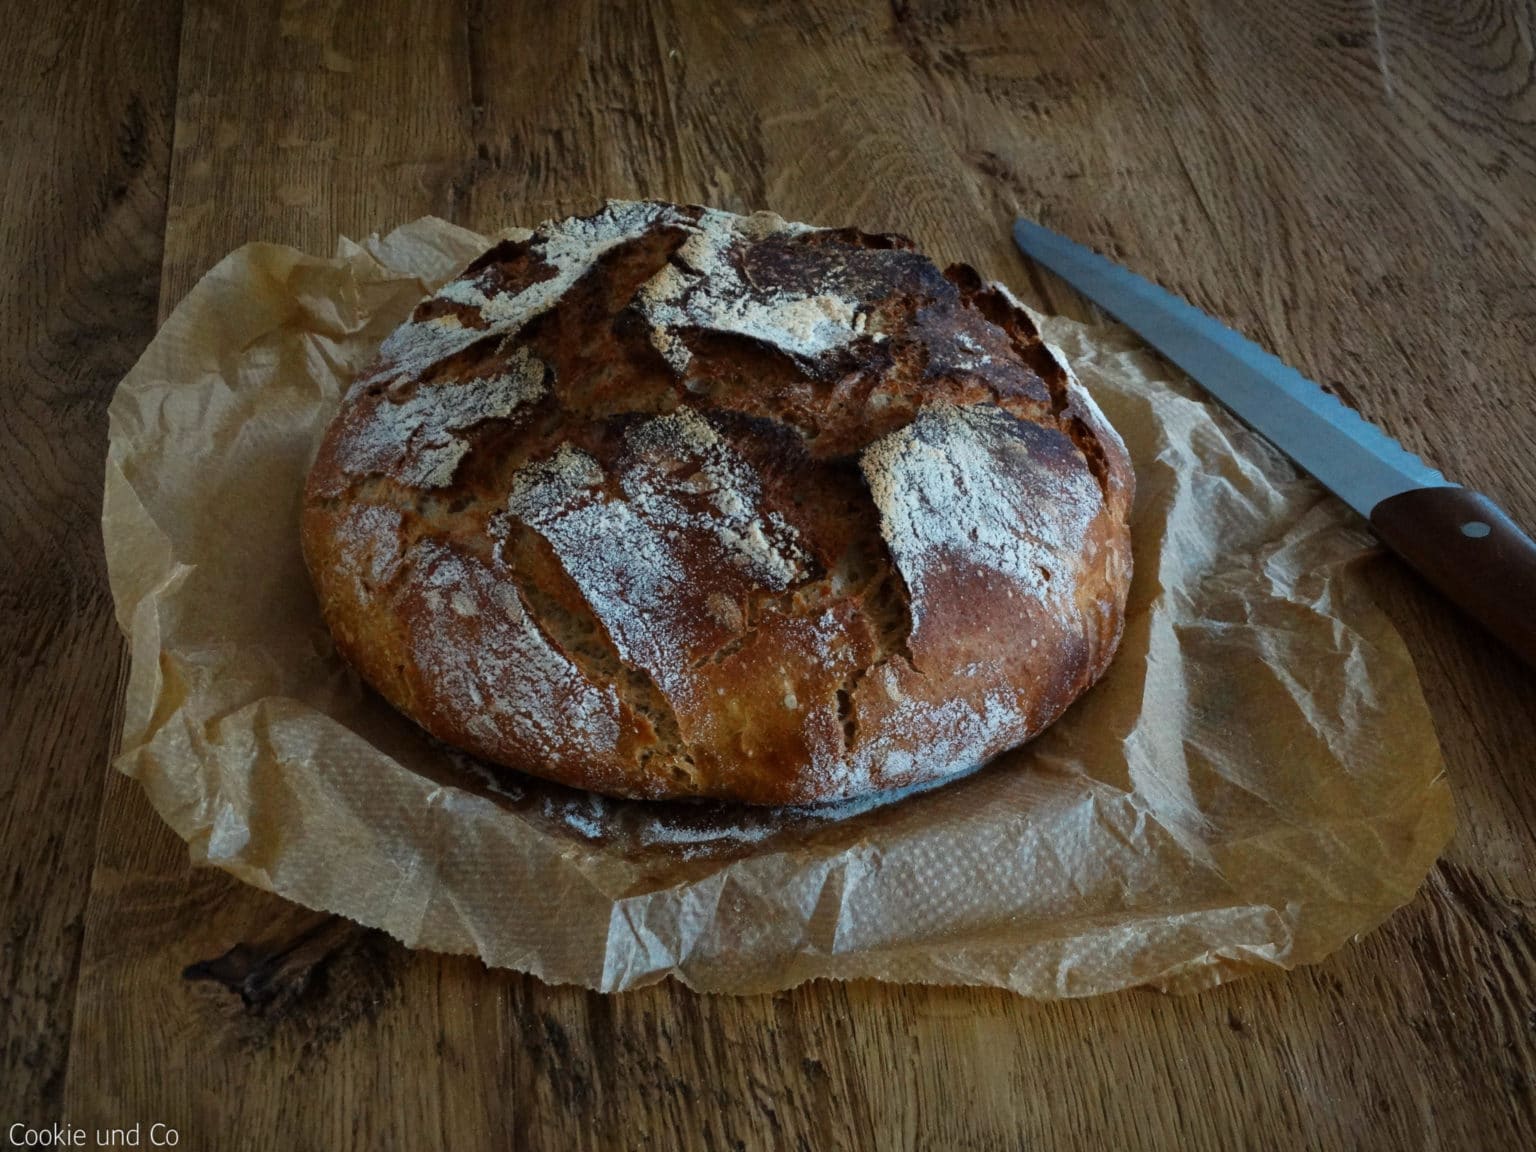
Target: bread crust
x=668, y=502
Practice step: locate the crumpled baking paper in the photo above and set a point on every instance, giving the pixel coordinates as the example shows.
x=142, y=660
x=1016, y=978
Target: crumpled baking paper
x=1255, y=781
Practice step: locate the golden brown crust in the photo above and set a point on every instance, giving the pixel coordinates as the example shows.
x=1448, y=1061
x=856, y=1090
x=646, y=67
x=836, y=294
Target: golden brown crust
x=668, y=502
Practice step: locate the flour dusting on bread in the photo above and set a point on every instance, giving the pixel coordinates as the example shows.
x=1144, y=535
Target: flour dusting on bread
x=704, y=288
x=633, y=553
x=568, y=248
x=368, y=546
x=484, y=648
x=921, y=739
x=760, y=543
x=957, y=488
x=571, y=248
x=418, y=440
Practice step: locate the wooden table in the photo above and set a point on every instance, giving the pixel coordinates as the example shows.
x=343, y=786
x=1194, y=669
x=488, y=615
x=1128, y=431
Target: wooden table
x=1354, y=185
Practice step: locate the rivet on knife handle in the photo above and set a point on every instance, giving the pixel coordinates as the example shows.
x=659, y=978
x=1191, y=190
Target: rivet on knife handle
x=1467, y=547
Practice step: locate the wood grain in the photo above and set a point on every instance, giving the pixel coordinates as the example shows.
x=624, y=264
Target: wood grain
x=306, y=120
x=86, y=132
x=1350, y=184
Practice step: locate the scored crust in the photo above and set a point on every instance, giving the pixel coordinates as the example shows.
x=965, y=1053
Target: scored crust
x=665, y=501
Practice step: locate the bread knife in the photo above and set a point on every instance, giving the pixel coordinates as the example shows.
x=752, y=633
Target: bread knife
x=1457, y=539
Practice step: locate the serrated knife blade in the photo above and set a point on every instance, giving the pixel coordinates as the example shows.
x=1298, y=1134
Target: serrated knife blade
x=1352, y=457
x=1458, y=539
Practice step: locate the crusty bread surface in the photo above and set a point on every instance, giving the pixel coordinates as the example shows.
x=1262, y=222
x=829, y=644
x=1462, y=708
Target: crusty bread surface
x=667, y=502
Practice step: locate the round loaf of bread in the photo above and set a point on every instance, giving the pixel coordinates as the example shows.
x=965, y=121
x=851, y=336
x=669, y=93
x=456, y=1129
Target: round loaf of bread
x=667, y=502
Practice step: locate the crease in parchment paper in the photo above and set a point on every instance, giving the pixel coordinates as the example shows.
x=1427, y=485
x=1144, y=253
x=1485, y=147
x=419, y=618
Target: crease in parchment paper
x=1254, y=782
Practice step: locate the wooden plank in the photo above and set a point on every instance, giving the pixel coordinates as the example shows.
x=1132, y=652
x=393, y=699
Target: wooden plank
x=1365, y=224
x=293, y=124
x=88, y=96
x=302, y=122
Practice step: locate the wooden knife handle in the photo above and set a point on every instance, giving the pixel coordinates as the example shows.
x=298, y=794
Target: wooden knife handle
x=1467, y=547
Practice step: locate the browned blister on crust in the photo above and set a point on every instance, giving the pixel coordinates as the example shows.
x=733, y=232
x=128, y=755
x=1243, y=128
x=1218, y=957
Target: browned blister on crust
x=668, y=502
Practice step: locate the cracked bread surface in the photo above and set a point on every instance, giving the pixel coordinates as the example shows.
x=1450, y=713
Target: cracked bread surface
x=669, y=502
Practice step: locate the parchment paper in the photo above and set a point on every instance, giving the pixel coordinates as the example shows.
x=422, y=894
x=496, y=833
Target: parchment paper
x=1254, y=782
